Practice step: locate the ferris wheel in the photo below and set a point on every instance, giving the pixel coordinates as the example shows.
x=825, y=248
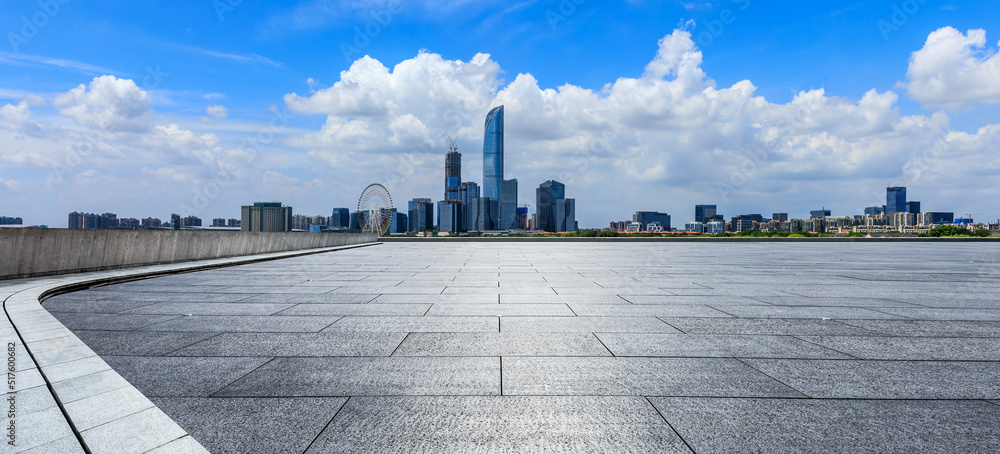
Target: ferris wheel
x=375, y=209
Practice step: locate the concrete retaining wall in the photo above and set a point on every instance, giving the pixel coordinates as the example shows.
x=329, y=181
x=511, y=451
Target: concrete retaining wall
x=40, y=252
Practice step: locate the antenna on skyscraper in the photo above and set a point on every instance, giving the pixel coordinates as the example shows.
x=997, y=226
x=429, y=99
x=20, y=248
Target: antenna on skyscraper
x=452, y=146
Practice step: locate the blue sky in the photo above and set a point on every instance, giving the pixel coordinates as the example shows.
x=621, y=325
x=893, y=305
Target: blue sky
x=586, y=103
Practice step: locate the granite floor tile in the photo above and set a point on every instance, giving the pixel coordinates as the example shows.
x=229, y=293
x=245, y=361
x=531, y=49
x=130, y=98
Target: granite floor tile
x=714, y=346
x=810, y=425
x=547, y=376
x=328, y=377
x=295, y=344
x=416, y=324
x=501, y=344
x=584, y=325
x=498, y=424
x=182, y=376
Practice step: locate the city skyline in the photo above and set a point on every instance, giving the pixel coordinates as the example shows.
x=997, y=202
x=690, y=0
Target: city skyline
x=673, y=112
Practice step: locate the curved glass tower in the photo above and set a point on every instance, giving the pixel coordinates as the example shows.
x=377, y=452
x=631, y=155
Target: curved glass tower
x=493, y=153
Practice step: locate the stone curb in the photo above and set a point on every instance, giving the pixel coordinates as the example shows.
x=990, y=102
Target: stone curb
x=86, y=406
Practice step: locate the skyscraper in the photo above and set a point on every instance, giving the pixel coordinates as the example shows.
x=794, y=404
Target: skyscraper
x=452, y=172
x=468, y=193
x=546, y=196
x=421, y=215
x=508, y=204
x=493, y=153
x=704, y=213
x=895, y=199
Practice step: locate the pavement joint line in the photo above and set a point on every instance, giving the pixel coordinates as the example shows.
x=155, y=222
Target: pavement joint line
x=772, y=378
x=327, y=424
x=27, y=294
x=824, y=346
x=671, y=426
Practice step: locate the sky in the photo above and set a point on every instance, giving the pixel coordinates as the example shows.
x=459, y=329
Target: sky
x=197, y=108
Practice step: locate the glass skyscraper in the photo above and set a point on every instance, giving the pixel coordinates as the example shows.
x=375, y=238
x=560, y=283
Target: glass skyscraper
x=452, y=173
x=704, y=213
x=546, y=196
x=493, y=154
x=895, y=199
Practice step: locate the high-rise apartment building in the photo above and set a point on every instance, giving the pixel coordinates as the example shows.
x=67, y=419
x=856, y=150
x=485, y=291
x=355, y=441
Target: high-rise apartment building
x=6, y=220
x=266, y=217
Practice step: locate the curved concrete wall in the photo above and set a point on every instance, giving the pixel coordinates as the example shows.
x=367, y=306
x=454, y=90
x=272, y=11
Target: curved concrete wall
x=37, y=252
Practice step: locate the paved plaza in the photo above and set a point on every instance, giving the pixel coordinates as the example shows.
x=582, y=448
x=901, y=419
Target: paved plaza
x=568, y=347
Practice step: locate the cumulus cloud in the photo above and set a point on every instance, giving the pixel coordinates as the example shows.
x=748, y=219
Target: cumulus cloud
x=672, y=130
x=954, y=69
x=217, y=112
x=108, y=104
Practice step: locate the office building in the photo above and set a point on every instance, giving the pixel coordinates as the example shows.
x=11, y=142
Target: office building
x=482, y=212
x=493, y=153
x=451, y=216
x=645, y=218
x=780, y=217
x=935, y=218
x=467, y=193
x=522, y=218
x=715, y=227
x=545, y=204
x=266, y=217
x=340, y=218
x=704, y=213
x=895, y=200
x=399, y=222
x=697, y=227
x=421, y=215
x=565, y=215
x=508, y=204
x=913, y=207
x=175, y=221
x=872, y=211
x=819, y=214
x=452, y=173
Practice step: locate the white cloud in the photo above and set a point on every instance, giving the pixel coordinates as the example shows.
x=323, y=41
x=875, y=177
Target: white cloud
x=110, y=104
x=671, y=131
x=953, y=70
x=217, y=112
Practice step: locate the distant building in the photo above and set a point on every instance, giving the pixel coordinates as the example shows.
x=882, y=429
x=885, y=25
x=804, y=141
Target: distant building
x=175, y=221
x=467, y=193
x=871, y=211
x=399, y=222
x=451, y=216
x=508, y=204
x=452, y=173
x=913, y=207
x=341, y=218
x=493, y=153
x=935, y=218
x=421, y=215
x=266, y=217
x=150, y=223
x=645, y=218
x=5, y=220
x=546, y=196
x=566, y=215
x=780, y=217
x=481, y=213
x=819, y=214
x=704, y=213
x=129, y=223
x=895, y=200
x=233, y=222
x=191, y=221
x=715, y=227
x=696, y=227
x=218, y=222
x=522, y=218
